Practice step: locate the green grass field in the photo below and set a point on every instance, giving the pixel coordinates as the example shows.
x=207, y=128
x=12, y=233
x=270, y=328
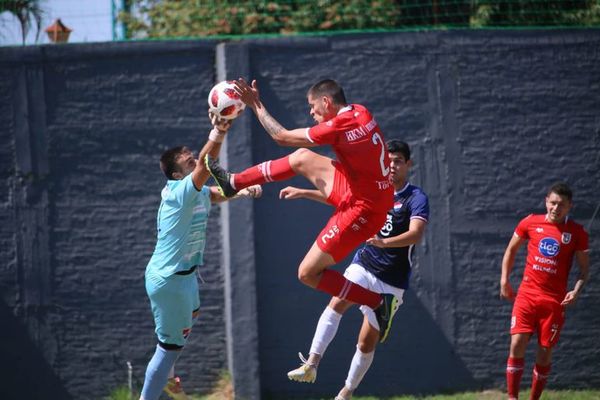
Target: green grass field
x=498, y=395
x=486, y=395
x=123, y=394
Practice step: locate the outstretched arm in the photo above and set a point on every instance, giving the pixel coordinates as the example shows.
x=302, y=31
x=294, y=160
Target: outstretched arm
x=508, y=261
x=583, y=261
x=292, y=193
x=283, y=137
x=212, y=147
x=254, y=191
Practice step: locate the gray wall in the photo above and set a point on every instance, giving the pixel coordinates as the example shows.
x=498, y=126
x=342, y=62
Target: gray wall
x=493, y=118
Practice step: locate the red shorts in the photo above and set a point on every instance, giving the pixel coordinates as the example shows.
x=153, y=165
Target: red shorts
x=352, y=223
x=541, y=315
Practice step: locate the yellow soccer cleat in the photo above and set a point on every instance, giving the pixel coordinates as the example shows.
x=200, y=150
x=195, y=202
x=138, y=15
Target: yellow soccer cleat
x=305, y=373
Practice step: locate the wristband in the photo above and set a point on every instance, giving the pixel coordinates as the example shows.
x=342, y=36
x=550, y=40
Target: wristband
x=216, y=136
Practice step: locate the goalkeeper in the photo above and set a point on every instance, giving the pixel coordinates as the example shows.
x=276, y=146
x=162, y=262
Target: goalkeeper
x=171, y=283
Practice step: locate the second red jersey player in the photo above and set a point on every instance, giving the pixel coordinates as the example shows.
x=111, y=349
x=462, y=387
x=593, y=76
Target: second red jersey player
x=539, y=307
x=550, y=252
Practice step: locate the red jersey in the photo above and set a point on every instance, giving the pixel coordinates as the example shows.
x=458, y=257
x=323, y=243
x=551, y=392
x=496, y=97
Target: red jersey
x=361, y=150
x=550, y=254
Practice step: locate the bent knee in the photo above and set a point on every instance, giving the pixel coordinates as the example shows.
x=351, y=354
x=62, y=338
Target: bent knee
x=304, y=276
x=307, y=277
x=300, y=157
x=365, y=347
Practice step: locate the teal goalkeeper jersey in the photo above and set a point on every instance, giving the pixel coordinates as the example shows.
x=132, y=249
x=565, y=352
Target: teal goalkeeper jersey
x=181, y=224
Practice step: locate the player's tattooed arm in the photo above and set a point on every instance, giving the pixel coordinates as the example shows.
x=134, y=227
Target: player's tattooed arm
x=271, y=125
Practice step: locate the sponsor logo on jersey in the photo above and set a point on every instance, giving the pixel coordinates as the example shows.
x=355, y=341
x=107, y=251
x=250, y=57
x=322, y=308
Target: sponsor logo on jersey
x=397, y=205
x=548, y=270
x=387, y=227
x=565, y=238
x=361, y=131
x=539, y=230
x=356, y=133
x=549, y=247
x=371, y=125
x=543, y=260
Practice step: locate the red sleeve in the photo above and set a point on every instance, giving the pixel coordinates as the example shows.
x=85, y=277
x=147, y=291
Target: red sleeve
x=323, y=133
x=522, y=229
x=582, y=243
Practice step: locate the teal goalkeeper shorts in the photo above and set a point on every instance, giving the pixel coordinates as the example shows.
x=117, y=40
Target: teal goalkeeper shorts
x=175, y=302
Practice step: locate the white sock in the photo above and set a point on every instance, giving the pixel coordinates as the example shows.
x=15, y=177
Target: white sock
x=326, y=330
x=358, y=368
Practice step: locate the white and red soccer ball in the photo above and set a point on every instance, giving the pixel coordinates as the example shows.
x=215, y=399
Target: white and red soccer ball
x=224, y=101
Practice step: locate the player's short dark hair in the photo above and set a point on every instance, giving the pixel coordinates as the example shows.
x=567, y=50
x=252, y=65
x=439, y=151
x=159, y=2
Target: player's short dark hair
x=561, y=189
x=328, y=87
x=398, y=146
x=168, y=161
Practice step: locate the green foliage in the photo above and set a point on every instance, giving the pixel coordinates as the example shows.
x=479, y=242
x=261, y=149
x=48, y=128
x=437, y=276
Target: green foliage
x=28, y=12
x=535, y=13
x=186, y=18
x=122, y=393
x=194, y=18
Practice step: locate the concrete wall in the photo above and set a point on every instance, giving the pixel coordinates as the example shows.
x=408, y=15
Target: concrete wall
x=493, y=118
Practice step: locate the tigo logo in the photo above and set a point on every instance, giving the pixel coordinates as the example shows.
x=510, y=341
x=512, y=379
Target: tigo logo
x=549, y=247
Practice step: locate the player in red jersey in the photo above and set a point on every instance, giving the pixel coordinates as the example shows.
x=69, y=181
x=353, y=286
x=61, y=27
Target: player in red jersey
x=539, y=306
x=357, y=184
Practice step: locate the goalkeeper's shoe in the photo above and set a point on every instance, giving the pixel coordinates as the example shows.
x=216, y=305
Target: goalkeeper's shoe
x=305, y=373
x=385, y=314
x=220, y=176
x=174, y=389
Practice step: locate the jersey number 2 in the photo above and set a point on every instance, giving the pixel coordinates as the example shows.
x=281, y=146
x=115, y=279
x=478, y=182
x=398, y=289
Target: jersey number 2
x=385, y=170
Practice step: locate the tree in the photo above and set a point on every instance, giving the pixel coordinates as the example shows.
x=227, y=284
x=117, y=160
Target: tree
x=27, y=12
x=193, y=18
x=189, y=18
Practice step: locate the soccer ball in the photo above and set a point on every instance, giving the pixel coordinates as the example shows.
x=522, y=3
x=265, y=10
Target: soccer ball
x=224, y=102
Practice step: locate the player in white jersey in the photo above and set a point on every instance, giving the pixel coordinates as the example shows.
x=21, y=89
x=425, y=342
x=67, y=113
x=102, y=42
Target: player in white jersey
x=171, y=283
